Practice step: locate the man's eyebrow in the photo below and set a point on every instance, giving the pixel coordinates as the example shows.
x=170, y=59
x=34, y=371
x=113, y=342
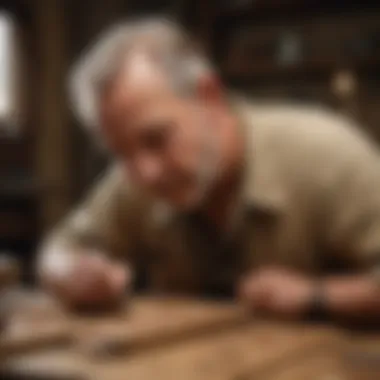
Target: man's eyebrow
x=159, y=124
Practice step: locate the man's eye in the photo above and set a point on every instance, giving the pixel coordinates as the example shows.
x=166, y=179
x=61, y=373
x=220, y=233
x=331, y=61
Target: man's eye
x=155, y=140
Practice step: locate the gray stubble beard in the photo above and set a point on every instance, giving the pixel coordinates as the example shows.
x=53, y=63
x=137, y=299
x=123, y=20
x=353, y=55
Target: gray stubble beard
x=210, y=164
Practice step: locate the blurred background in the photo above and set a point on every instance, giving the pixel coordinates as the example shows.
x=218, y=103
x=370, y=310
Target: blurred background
x=313, y=51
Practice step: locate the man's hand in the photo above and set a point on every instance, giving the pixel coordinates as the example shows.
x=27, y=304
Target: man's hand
x=277, y=292
x=91, y=281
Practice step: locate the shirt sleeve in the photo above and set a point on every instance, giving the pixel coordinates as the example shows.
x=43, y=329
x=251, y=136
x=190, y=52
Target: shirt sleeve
x=100, y=221
x=353, y=216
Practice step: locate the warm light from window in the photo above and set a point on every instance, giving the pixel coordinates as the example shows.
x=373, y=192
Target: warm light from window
x=9, y=76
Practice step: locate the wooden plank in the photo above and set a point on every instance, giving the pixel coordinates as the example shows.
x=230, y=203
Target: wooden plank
x=225, y=356
x=33, y=322
x=362, y=356
x=54, y=364
x=146, y=323
x=153, y=323
x=50, y=336
x=317, y=366
x=222, y=344
x=320, y=360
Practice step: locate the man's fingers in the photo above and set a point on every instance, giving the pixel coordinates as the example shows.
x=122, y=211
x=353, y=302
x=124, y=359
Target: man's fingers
x=119, y=277
x=255, y=293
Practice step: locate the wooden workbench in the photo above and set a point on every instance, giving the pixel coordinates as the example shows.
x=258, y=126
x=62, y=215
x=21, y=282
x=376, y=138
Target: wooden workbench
x=179, y=339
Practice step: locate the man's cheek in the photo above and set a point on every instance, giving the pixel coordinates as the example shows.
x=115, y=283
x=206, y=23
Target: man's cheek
x=183, y=158
x=180, y=166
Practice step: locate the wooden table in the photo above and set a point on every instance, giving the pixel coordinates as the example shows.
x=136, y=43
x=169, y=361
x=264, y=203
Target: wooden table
x=178, y=339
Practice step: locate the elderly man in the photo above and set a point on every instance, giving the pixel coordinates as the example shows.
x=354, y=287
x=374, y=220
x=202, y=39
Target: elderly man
x=211, y=194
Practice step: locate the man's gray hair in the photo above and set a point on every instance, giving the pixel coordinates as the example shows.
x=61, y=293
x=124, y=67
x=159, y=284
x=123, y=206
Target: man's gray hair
x=161, y=40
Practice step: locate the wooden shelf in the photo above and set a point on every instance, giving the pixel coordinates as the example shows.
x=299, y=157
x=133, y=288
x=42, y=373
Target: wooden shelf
x=308, y=69
x=272, y=9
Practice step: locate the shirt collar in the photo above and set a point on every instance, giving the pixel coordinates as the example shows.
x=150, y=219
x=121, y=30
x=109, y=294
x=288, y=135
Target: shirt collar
x=262, y=186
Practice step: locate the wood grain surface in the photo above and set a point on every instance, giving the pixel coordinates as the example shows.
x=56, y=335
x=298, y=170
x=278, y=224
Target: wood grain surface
x=260, y=349
x=178, y=338
x=143, y=324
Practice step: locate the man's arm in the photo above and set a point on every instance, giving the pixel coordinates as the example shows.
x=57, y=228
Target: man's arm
x=349, y=227
x=353, y=232
x=281, y=292
x=73, y=260
x=357, y=297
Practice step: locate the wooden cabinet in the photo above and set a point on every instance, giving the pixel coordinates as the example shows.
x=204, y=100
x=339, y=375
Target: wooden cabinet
x=296, y=49
x=313, y=43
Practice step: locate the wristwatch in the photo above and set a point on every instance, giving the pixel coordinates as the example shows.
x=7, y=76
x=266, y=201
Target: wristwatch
x=317, y=309
x=375, y=274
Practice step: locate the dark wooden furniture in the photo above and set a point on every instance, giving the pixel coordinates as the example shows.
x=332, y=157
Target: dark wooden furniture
x=295, y=49
x=19, y=188
x=34, y=176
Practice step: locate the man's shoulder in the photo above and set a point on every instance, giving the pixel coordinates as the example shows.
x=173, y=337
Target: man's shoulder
x=308, y=129
x=289, y=118
x=306, y=145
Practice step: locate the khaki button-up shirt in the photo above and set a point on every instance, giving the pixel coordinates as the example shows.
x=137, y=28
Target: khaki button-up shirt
x=310, y=201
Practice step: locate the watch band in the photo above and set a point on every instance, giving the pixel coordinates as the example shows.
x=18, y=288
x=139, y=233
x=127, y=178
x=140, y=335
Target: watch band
x=317, y=310
x=375, y=274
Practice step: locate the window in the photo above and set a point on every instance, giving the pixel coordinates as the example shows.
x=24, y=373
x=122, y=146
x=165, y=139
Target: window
x=10, y=77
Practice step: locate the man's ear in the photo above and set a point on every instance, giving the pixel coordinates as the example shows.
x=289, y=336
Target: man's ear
x=210, y=90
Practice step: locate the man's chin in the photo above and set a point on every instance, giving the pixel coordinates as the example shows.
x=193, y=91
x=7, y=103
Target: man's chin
x=186, y=202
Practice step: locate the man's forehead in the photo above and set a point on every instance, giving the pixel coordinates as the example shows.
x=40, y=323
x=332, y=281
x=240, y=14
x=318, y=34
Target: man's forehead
x=138, y=82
